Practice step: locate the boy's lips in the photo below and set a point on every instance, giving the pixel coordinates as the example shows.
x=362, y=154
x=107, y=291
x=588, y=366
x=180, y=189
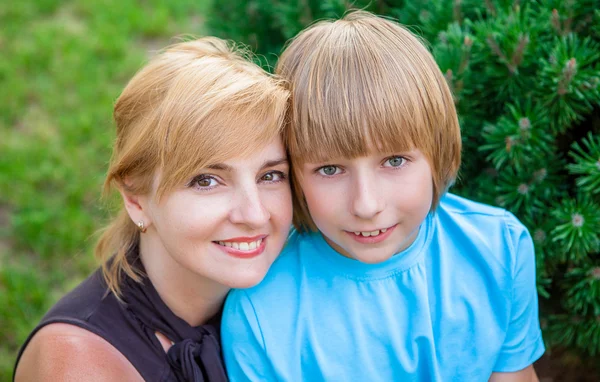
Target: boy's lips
x=371, y=237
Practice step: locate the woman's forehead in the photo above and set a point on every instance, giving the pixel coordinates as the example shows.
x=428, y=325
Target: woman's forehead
x=269, y=154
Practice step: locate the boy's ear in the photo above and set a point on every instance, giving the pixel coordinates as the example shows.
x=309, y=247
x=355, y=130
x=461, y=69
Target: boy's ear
x=137, y=207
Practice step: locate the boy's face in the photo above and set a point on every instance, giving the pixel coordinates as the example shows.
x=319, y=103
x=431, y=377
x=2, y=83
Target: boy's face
x=369, y=208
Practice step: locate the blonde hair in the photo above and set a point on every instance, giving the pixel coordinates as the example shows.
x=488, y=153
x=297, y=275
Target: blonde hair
x=197, y=103
x=366, y=83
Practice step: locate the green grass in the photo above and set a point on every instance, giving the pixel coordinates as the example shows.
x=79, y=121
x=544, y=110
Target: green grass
x=63, y=65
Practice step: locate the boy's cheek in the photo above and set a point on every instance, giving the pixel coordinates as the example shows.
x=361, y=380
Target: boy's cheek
x=322, y=203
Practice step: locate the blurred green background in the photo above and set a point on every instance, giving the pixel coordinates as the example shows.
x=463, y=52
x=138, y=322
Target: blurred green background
x=509, y=62
x=63, y=63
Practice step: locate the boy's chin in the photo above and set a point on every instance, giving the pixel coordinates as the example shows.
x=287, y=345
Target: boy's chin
x=372, y=258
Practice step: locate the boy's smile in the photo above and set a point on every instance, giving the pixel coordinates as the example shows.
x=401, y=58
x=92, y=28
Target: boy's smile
x=372, y=237
x=369, y=208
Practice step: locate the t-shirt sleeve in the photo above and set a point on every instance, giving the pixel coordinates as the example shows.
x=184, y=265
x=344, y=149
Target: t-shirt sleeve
x=523, y=343
x=242, y=341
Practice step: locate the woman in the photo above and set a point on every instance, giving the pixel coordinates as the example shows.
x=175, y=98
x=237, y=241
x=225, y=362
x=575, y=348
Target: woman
x=201, y=168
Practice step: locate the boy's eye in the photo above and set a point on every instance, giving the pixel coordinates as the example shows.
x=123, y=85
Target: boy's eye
x=394, y=162
x=329, y=170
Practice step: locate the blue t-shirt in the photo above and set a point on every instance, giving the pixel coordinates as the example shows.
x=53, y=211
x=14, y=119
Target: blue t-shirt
x=457, y=305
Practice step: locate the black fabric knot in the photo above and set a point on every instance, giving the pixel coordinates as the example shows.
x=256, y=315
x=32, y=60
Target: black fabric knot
x=197, y=361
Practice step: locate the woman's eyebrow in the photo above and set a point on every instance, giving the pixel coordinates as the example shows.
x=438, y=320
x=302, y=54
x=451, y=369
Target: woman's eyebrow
x=220, y=167
x=266, y=164
x=273, y=163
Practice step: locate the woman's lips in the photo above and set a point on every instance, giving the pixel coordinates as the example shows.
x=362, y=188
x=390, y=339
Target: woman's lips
x=243, y=247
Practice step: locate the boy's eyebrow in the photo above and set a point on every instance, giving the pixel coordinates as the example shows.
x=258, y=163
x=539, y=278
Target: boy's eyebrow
x=228, y=168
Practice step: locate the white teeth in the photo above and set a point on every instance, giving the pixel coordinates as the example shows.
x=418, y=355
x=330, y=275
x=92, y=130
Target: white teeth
x=369, y=233
x=242, y=246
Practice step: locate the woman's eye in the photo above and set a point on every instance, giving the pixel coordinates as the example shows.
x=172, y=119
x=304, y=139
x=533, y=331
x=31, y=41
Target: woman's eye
x=329, y=170
x=273, y=177
x=204, y=181
x=394, y=162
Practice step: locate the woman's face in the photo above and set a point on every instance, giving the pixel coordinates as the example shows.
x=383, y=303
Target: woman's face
x=229, y=223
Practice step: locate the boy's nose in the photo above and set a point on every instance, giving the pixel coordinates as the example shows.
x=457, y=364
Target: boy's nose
x=366, y=202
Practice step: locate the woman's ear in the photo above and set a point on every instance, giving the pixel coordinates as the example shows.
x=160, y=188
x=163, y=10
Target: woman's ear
x=137, y=207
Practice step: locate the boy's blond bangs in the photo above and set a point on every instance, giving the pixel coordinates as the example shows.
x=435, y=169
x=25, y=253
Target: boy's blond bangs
x=365, y=84
x=350, y=118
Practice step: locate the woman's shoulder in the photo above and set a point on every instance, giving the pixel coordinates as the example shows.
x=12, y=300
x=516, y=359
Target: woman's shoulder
x=82, y=301
x=65, y=352
x=83, y=330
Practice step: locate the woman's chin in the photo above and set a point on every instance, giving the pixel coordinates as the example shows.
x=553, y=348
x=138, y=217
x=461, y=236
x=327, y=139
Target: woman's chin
x=246, y=280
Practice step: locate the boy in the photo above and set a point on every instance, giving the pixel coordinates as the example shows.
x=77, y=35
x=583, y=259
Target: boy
x=388, y=277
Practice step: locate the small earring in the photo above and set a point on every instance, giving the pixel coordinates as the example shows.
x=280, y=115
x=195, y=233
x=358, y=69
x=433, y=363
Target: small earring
x=140, y=225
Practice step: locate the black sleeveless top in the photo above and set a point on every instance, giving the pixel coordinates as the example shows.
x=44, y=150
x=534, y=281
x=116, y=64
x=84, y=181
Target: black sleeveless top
x=130, y=327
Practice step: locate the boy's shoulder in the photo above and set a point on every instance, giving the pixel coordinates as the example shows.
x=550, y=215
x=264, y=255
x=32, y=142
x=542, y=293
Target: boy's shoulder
x=482, y=216
x=495, y=232
x=460, y=205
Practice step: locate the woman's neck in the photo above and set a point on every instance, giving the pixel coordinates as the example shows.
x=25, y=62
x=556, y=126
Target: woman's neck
x=192, y=297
